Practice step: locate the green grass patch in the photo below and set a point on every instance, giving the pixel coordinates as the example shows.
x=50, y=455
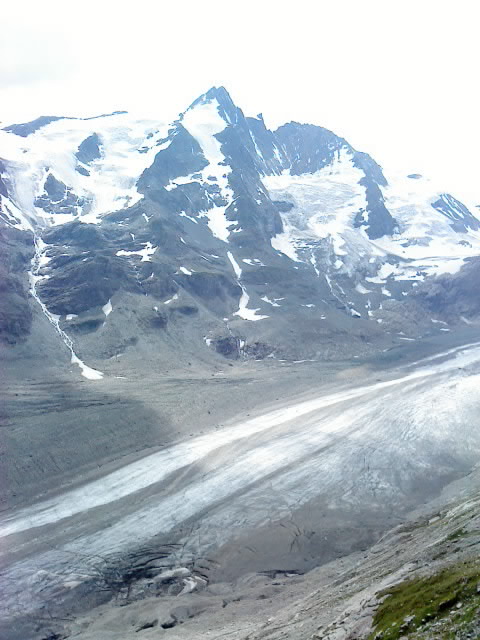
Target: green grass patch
x=414, y=603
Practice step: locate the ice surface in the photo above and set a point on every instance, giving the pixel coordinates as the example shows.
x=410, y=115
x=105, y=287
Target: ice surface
x=259, y=153
x=185, y=271
x=13, y=216
x=361, y=289
x=87, y=372
x=51, y=149
x=325, y=205
x=107, y=308
x=243, y=310
x=184, y=215
x=146, y=253
x=425, y=235
x=286, y=242
x=218, y=223
x=236, y=268
x=173, y=184
x=303, y=437
x=271, y=302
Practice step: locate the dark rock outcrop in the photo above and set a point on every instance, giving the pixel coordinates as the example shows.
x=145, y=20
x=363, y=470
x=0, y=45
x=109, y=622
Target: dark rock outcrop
x=58, y=198
x=89, y=149
x=26, y=128
x=85, y=283
x=15, y=312
x=461, y=220
x=216, y=290
x=453, y=295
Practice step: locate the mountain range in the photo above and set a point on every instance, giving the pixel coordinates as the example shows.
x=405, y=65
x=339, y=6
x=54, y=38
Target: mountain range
x=213, y=236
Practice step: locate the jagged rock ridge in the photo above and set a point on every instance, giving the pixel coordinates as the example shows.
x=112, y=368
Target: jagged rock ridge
x=242, y=233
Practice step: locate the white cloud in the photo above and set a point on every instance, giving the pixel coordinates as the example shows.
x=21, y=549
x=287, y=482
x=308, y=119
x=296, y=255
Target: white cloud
x=397, y=79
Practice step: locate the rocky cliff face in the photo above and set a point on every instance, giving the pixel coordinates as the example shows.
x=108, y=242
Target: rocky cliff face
x=215, y=237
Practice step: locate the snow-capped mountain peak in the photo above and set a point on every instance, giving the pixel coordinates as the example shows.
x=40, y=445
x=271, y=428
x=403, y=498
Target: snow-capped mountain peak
x=217, y=221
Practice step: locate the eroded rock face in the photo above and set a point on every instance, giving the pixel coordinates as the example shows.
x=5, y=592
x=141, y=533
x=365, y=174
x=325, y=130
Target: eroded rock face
x=228, y=346
x=460, y=217
x=89, y=149
x=84, y=283
x=216, y=290
x=86, y=324
x=308, y=147
x=58, y=198
x=161, y=285
x=77, y=235
x=26, y=128
x=258, y=350
x=376, y=219
x=158, y=320
x=182, y=157
x=16, y=251
x=454, y=295
x=185, y=309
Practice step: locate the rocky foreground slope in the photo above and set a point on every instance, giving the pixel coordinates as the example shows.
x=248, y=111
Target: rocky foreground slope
x=421, y=580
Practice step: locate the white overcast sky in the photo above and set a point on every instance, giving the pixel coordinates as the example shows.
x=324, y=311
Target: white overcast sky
x=397, y=78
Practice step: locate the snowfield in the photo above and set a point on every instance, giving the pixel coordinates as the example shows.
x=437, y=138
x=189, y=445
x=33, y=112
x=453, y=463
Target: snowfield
x=325, y=204
x=128, y=147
